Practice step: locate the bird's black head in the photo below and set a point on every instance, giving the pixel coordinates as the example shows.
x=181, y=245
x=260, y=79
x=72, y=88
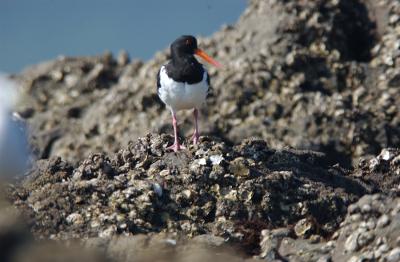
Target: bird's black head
x=183, y=49
x=184, y=45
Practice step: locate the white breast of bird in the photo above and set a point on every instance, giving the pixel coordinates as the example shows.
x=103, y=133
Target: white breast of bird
x=179, y=95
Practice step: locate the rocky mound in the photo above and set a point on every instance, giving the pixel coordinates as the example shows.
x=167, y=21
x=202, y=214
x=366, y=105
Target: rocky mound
x=320, y=75
x=255, y=199
x=370, y=231
x=213, y=189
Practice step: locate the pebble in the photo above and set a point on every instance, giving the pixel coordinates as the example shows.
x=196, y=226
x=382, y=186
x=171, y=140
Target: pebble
x=351, y=243
x=366, y=208
x=164, y=173
x=381, y=250
x=383, y=221
x=216, y=159
x=365, y=238
x=303, y=228
x=75, y=218
x=202, y=161
x=386, y=155
x=394, y=255
x=109, y=232
x=371, y=224
x=171, y=241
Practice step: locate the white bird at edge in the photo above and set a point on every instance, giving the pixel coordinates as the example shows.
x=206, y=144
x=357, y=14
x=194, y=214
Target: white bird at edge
x=14, y=148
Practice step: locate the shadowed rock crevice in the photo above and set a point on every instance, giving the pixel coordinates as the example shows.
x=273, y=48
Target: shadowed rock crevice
x=353, y=33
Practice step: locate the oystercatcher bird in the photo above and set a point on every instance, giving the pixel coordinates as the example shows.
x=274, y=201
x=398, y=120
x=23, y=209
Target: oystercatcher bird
x=183, y=83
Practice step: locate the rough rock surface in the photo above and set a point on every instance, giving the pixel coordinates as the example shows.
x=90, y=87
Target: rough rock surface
x=370, y=231
x=212, y=189
x=321, y=75
x=18, y=245
x=264, y=202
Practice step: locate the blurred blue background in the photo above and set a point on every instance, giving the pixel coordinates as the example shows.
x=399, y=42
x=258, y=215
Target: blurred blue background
x=35, y=30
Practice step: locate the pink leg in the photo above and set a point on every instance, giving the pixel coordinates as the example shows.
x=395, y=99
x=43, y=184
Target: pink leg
x=176, y=146
x=195, y=135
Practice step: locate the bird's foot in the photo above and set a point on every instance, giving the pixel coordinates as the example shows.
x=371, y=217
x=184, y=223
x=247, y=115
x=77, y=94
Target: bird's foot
x=176, y=147
x=195, y=137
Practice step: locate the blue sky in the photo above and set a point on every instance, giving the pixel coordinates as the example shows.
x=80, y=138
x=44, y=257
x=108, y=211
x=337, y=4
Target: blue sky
x=35, y=30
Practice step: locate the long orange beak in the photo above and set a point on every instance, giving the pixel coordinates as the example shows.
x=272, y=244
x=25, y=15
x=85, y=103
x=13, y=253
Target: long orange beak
x=203, y=55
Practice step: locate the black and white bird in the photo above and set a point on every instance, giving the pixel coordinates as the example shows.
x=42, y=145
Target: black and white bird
x=183, y=83
x=14, y=148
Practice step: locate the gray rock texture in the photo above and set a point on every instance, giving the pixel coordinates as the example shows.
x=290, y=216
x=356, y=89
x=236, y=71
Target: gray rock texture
x=320, y=75
x=299, y=158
